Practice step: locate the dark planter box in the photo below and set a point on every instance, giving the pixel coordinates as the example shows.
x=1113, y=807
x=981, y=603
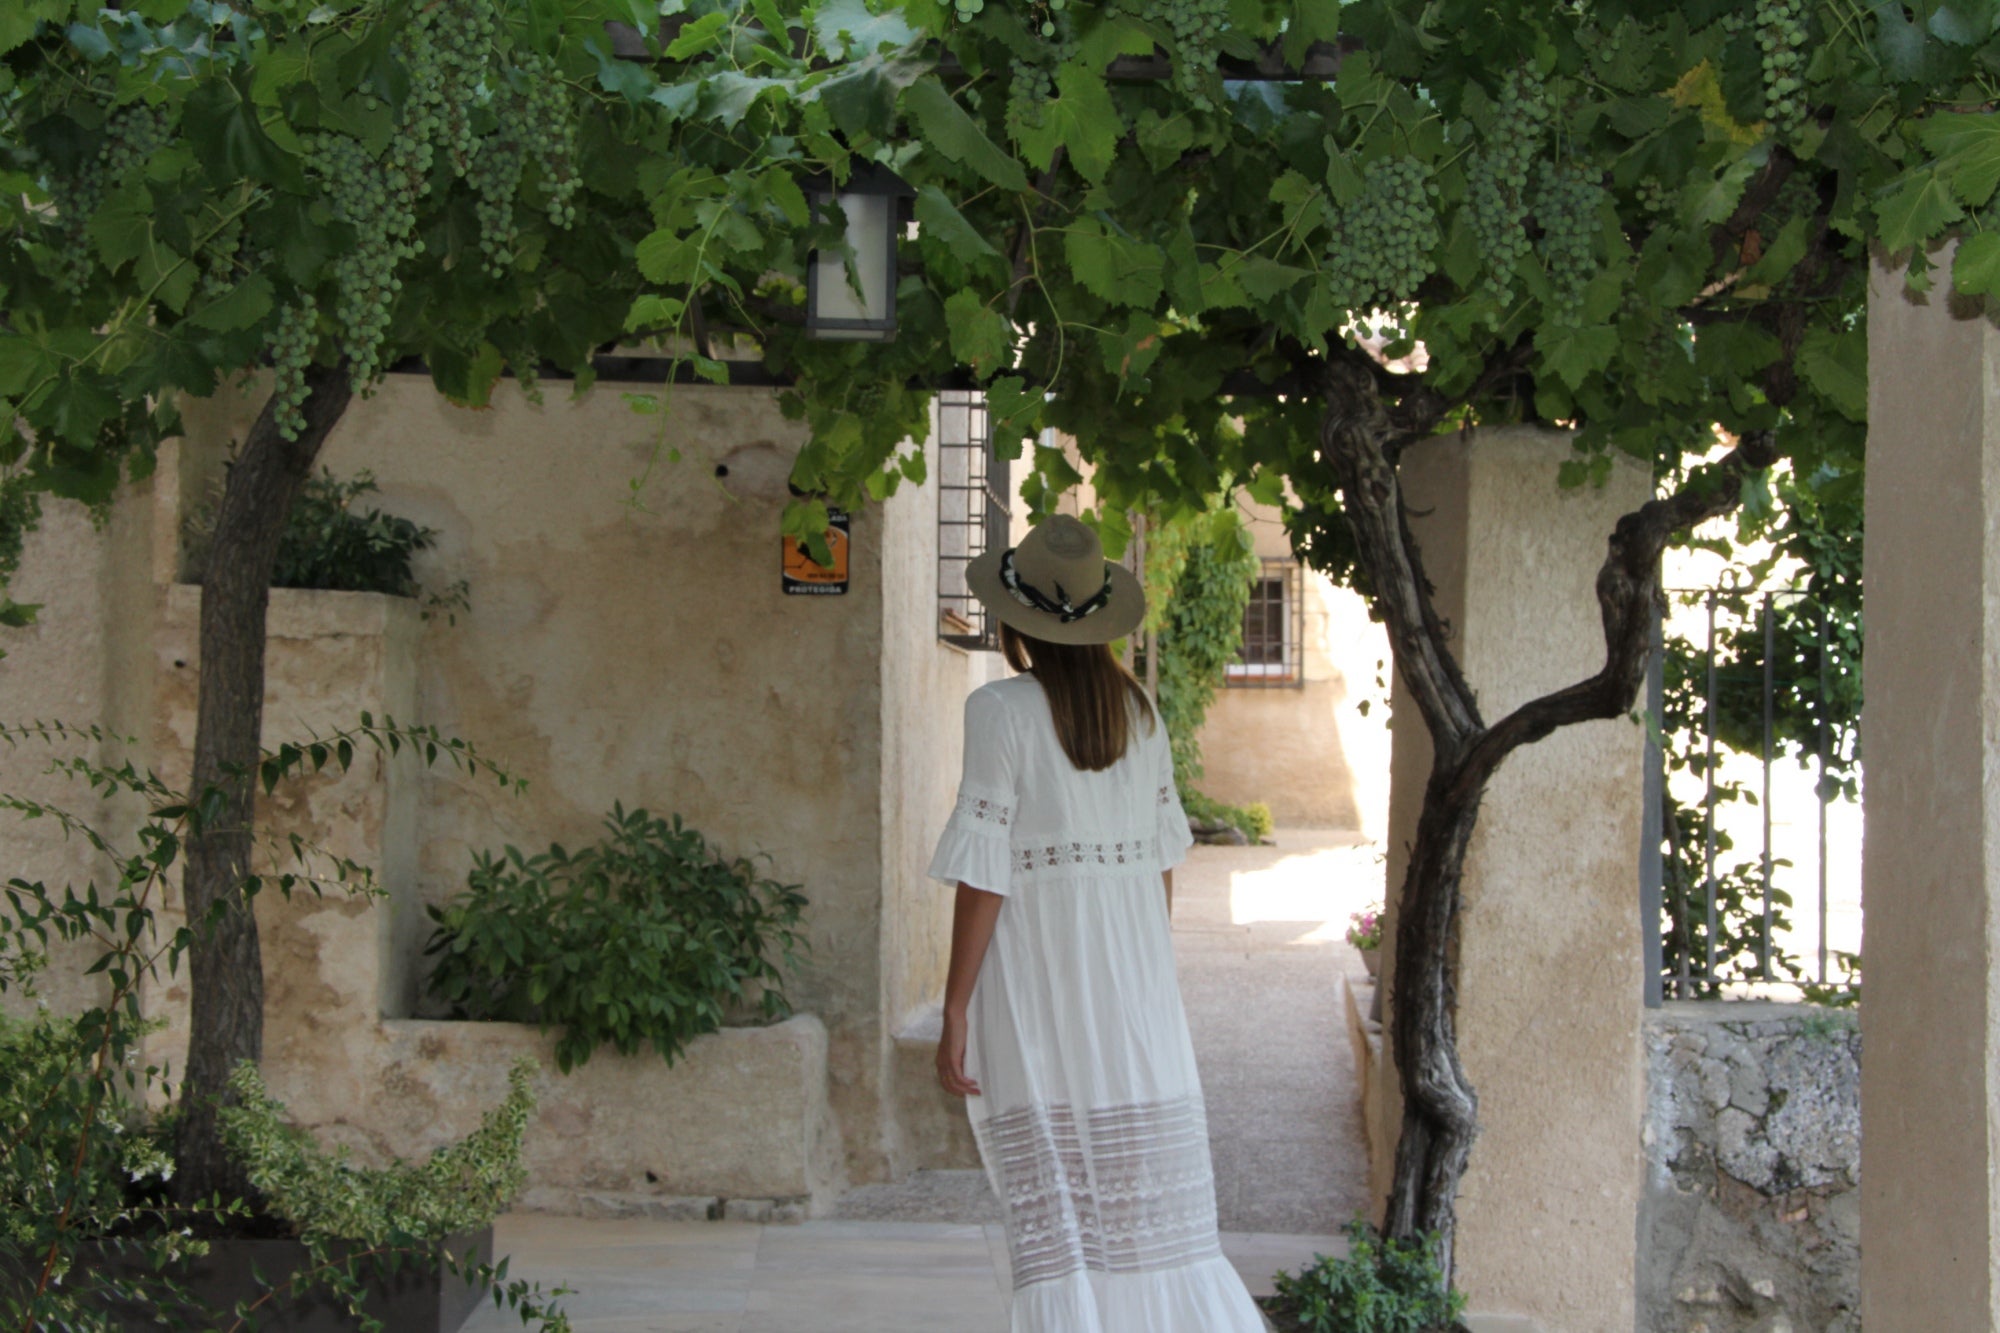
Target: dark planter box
x=416, y=1298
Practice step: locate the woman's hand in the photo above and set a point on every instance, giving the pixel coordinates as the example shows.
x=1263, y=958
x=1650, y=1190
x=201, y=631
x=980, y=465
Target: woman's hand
x=951, y=1058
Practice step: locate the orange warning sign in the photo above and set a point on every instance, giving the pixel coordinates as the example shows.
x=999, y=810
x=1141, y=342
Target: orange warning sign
x=803, y=577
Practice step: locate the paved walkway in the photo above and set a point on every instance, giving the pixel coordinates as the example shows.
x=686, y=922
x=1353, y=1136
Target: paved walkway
x=1259, y=935
x=1258, y=938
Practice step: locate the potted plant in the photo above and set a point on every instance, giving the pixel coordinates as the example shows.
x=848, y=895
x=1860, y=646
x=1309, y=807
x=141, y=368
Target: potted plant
x=1364, y=932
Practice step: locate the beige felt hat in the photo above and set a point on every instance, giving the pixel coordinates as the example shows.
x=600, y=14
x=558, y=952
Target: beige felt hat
x=1057, y=586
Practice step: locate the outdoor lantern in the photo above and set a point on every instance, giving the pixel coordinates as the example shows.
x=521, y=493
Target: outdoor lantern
x=872, y=201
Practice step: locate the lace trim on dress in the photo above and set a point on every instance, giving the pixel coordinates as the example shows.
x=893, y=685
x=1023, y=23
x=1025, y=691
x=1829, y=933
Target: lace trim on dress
x=1129, y=1190
x=980, y=810
x=1136, y=852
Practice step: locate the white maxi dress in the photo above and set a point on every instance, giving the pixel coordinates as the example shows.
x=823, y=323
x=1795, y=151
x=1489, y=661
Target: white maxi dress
x=1089, y=1117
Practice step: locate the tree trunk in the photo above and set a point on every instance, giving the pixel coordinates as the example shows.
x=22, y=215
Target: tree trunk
x=1358, y=439
x=225, y=968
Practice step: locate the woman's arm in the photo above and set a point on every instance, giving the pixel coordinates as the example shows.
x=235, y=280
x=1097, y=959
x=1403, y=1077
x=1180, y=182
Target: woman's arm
x=972, y=919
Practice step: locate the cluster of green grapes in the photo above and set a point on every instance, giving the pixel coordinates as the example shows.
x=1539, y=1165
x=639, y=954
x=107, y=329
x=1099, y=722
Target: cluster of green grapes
x=1781, y=34
x=1652, y=195
x=494, y=173
x=220, y=259
x=1567, y=200
x=1197, y=28
x=1497, y=177
x=132, y=135
x=551, y=136
x=1382, y=243
x=378, y=199
x=448, y=50
x=1032, y=84
x=291, y=349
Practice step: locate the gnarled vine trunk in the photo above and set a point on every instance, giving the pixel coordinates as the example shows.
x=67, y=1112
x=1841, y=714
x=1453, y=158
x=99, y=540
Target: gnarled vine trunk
x=225, y=965
x=1359, y=439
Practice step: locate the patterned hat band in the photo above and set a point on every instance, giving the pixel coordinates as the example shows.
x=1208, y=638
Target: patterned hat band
x=1028, y=595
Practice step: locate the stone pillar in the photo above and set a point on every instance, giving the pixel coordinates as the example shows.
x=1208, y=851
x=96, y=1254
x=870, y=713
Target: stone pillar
x=1930, y=1233
x=1549, y=1003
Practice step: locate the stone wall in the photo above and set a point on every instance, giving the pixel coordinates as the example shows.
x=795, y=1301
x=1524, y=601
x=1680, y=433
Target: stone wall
x=1751, y=1218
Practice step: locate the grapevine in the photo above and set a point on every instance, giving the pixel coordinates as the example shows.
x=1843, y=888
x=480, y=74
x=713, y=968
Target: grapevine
x=1567, y=200
x=1382, y=243
x=131, y=136
x=1197, y=28
x=291, y=349
x=1033, y=82
x=1497, y=177
x=1781, y=34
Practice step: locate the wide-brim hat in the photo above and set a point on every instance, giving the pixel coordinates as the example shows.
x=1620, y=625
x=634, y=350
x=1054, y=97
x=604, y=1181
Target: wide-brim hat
x=1057, y=586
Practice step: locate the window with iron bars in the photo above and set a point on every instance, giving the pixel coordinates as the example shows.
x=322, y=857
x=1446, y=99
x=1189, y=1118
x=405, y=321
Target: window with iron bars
x=1273, y=648
x=973, y=516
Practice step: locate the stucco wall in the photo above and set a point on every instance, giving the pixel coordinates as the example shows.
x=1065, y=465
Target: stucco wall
x=1549, y=1004
x=639, y=649
x=1930, y=1238
x=79, y=665
x=924, y=684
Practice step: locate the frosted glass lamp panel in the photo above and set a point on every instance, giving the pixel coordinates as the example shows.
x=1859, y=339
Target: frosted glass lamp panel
x=869, y=235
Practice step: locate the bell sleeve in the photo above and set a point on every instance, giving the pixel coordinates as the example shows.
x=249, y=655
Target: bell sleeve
x=1175, y=835
x=974, y=848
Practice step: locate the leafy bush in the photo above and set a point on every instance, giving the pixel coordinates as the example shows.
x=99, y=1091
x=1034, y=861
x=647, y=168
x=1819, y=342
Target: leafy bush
x=330, y=543
x=1382, y=1286
x=462, y=1187
x=1254, y=819
x=1199, y=571
x=82, y=1169
x=647, y=935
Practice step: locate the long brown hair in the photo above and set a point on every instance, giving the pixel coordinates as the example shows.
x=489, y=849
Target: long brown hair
x=1091, y=695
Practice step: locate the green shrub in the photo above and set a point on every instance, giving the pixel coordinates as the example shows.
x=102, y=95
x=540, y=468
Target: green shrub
x=1253, y=819
x=647, y=935
x=332, y=544
x=461, y=1187
x=84, y=1170
x=1382, y=1286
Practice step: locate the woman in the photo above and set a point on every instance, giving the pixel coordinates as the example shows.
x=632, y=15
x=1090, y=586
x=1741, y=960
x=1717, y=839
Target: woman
x=1063, y=1023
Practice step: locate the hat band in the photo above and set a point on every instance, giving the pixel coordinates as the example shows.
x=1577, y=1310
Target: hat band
x=1028, y=595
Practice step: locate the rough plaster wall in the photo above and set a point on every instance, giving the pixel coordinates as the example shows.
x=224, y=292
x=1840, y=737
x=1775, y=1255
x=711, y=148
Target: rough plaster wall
x=1752, y=1213
x=76, y=666
x=1930, y=1241
x=647, y=656
x=1548, y=1000
x=330, y=958
x=924, y=684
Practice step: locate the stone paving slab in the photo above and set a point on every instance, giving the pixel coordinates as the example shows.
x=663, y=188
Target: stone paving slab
x=834, y=1276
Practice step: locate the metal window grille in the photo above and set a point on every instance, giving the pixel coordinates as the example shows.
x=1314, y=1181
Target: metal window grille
x=1784, y=653
x=973, y=516
x=1273, y=650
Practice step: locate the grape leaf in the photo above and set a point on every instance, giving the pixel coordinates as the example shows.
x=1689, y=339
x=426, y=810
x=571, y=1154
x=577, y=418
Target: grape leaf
x=1115, y=268
x=1976, y=268
x=1921, y=209
x=1081, y=119
x=1573, y=353
x=980, y=336
x=847, y=27
x=239, y=307
x=947, y=128
x=1836, y=365
x=1967, y=148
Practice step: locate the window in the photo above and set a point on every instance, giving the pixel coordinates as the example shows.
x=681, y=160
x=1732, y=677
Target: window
x=973, y=516
x=1273, y=630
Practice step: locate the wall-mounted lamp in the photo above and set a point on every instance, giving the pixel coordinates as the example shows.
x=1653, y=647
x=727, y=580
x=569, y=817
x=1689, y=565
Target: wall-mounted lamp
x=873, y=203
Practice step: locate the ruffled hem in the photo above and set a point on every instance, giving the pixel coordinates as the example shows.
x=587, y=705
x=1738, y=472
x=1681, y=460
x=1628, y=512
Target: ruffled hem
x=1206, y=1296
x=983, y=860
